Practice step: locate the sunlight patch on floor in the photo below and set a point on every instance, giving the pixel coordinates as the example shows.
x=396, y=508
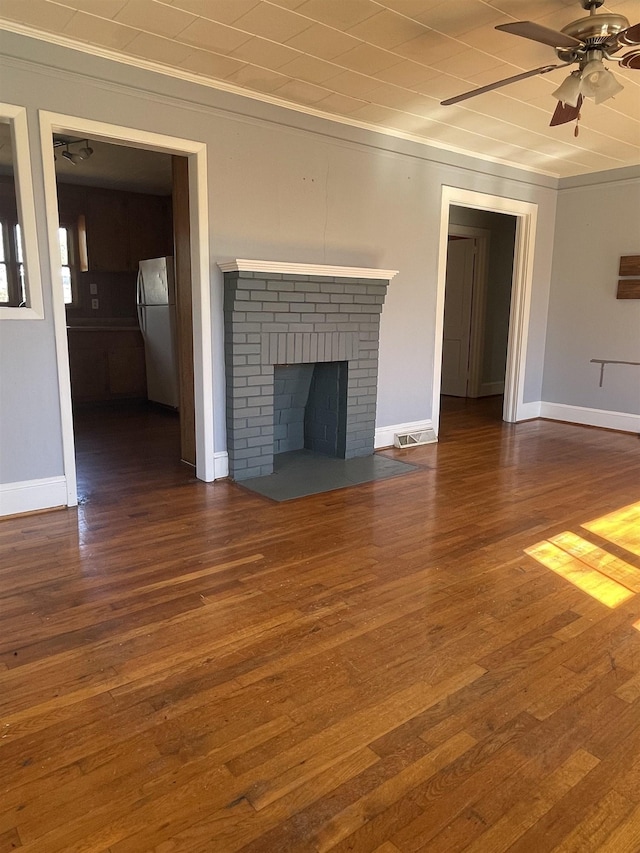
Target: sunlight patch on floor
x=597, y=558
x=621, y=527
x=593, y=569
x=589, y=580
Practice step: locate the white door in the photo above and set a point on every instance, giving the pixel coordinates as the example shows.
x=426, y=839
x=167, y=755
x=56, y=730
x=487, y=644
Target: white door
x=458, y=297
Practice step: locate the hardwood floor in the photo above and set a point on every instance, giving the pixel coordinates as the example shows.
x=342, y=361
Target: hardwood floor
x=191, y=667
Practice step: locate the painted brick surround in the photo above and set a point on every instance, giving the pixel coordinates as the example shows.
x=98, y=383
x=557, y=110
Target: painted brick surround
x=283, y=314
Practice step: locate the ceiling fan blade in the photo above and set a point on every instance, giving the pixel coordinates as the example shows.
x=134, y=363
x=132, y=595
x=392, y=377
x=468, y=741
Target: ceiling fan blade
x=629, y=36
x=631, y=60
x=544, y=35
x=565, y=113
x=544, y=69
x=625, y=38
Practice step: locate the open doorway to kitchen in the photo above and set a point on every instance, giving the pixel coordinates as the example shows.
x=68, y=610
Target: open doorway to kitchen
x=102, y=348
x=124, y=247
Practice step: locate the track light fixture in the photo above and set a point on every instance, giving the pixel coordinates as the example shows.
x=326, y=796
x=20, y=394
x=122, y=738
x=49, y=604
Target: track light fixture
x=73, y=157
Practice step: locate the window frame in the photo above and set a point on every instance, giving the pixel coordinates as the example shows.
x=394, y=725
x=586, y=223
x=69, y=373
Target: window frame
x=73, y=258
x=9, y=236
x=16, y=117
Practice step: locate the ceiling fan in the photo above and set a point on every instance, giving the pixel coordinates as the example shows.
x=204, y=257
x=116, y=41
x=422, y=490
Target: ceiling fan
x=585, y=42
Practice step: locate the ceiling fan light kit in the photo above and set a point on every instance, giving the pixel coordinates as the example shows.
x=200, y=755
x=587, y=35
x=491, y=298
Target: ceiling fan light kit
x=588, y=42
x=569, y=90
x=592, y=81
x=599, y=83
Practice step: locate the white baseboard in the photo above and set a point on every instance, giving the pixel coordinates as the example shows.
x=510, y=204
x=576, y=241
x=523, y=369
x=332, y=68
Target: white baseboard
x=384, y=436
x=529, y=411
x=31, y=495
x=490, y=389
x=220, y=465
x=624, y=421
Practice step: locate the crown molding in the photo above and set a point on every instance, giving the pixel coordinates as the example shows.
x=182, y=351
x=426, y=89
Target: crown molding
x=286, y=268
x=273, y=100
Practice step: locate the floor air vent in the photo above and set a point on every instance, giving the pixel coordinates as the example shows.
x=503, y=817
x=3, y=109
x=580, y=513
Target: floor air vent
x=411, y=439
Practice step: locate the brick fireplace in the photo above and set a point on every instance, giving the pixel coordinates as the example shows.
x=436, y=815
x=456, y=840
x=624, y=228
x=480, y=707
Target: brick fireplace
x=301, y=356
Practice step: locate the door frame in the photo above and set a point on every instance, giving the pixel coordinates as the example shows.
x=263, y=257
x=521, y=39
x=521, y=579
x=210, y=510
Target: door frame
x=481, y=239
x=196, y=152
x=526, y=214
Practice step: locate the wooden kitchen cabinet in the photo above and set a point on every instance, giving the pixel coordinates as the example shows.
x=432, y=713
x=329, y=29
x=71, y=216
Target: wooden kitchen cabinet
x=107, y=237
x=106, y=364
x=118, y=229
x=150, y=227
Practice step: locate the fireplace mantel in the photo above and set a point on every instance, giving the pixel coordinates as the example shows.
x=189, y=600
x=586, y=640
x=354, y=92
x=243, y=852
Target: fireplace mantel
x=286, y=268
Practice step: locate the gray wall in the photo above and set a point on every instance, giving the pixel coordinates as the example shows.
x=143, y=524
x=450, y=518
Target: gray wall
x=596, y=224
x=283, y=186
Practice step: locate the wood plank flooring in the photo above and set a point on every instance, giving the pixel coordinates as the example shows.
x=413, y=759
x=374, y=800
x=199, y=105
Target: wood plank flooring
x=390, y=668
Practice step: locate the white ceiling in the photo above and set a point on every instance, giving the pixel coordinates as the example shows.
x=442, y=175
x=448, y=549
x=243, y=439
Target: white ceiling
x=379, y=64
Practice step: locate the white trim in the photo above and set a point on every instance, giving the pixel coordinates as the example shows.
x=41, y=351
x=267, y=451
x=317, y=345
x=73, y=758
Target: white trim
x=17, y=117
x=384, y=436
x=221, y=463
x=234, y=89
x=519, y=311
x=624, y=421
x=203, y=328
x=31, y=495
x=286, y=268
x=201, y=288
x=526, y=213
x=59, y=312
x=530, y=411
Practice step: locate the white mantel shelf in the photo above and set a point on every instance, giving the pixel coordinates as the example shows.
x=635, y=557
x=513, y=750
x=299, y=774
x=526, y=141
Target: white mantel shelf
x=285, y=268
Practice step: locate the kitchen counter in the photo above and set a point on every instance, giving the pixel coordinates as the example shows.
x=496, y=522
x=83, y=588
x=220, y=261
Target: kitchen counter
x=98, y=328
x=103, y=324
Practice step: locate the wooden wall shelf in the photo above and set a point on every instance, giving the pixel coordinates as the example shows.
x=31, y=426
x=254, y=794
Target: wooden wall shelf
x=629, y=272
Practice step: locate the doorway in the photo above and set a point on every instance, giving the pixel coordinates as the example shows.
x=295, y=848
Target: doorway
x=477, y=303
x=124, y=242
x=523, y=217
x=200, y=310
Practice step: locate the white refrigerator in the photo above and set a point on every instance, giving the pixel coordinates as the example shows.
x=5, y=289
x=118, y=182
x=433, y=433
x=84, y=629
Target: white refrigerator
x=156, y=301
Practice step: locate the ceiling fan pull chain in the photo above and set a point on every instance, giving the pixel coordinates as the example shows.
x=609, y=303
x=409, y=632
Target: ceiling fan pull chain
x=576, y=129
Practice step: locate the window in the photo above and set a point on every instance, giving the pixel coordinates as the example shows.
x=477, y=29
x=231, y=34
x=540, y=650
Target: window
x=20, y=284
x=4, y=273
x=12, y=278
x=68, y=267
x=20, y=262
x=12, y=270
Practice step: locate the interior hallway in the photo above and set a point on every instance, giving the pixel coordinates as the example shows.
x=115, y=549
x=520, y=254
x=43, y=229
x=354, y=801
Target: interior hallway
x=191, y=667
